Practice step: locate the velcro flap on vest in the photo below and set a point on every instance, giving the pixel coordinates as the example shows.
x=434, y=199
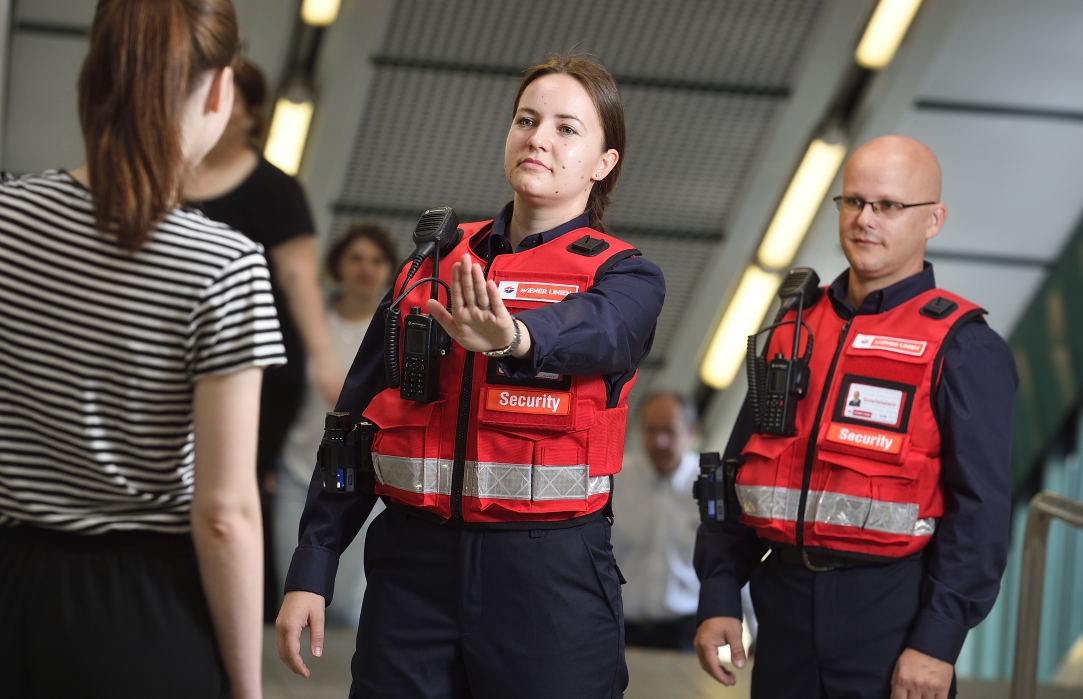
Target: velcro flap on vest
x=532, y=408
x=520, y=289
x=767, y=446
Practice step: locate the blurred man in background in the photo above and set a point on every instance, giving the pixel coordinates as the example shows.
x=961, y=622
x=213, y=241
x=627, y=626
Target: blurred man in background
x=655, y=523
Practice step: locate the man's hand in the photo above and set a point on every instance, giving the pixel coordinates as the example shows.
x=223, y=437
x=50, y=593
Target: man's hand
x=299, y=609
x=920, y=676
x=478, y=320
x=713, y=634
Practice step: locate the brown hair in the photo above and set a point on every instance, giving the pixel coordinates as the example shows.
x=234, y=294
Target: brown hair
x=602, y=89
x=252, y=88
x=145, y=58
x=373, y=232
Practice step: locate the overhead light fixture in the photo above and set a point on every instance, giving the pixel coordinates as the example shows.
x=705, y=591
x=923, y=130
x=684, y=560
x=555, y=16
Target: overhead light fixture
x=287, y=135
x=800, y=203
x=885, y=32
x=743, y=317
x=319, y=13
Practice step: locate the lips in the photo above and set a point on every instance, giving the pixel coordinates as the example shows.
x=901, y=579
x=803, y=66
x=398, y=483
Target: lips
x=533, y=164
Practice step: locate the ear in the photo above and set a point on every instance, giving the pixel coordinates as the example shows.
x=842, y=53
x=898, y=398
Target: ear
x=220, y=94
x=938, y=214
x=606, y=163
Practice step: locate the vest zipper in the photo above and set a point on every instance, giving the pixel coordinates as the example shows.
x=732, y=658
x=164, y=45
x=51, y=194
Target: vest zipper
x=462, y=428
x=810, y=451
x=458, y=468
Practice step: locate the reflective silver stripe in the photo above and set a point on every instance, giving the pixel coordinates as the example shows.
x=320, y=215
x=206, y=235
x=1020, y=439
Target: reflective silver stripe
x=427, y=476
x=490, y=480
x=841, y=510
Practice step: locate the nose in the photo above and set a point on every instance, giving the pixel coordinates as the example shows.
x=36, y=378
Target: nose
x=867, y=217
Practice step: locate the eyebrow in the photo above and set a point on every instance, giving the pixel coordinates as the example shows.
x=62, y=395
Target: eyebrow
x=531, y=110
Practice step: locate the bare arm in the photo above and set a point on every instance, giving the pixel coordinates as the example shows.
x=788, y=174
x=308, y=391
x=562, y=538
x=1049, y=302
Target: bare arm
x=295, y=273
x=226, y=523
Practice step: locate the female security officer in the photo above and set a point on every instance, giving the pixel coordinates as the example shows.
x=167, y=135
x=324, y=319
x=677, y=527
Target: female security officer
x=491, y=574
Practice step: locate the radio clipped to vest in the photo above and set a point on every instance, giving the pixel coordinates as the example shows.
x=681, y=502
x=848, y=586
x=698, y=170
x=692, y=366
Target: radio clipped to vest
x=345, y=451
x=775, y=387
x=418, y=375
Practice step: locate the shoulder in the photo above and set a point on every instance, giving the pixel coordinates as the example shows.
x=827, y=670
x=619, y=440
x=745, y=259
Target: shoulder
x=49, y=187
x=269, y=177
x=189, y=230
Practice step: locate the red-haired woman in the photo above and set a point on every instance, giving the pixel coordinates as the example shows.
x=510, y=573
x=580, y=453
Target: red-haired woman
x=490, y=574
x=133, y=334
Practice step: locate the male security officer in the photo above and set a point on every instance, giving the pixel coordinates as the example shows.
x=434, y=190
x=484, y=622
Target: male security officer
x=887, y=522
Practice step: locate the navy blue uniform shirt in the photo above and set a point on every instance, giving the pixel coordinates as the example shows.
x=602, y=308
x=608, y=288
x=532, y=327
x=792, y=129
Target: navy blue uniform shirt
x=607, y=331
x=969, y=550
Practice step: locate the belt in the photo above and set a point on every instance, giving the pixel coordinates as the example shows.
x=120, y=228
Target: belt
x=823, y=561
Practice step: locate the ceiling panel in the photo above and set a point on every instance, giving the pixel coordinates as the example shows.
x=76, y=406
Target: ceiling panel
x=732, y=41
x=1012, y=185
x=1012, y=52
x=1004, y=291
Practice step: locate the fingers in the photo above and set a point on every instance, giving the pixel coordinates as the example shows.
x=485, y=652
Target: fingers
x=288, y=633
x=468, y=275
x=713, y=634
x=495, y=302
x=315, y=633
x=441, y=316
x=458, y=304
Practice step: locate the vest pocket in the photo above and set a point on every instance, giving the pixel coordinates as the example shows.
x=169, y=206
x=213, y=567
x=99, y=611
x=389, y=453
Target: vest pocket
x=860, y=501
x=405, y=451
x=767, y=488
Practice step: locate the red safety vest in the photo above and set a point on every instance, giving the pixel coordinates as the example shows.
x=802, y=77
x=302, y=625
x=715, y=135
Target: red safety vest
x=497, y=449
x=866, y=458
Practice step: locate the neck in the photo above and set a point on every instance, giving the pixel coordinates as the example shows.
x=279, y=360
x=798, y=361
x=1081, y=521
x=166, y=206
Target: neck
x=527, y=219
x=352, y=307
x=222, y=153
x=858, y=288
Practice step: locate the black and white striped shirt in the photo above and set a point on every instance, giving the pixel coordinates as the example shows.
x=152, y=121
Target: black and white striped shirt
x=99, y=352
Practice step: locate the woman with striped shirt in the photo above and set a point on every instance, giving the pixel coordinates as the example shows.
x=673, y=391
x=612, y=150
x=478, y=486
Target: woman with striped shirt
x=133, y=333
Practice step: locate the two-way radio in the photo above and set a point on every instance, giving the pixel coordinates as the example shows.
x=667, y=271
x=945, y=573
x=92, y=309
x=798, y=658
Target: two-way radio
x=418, y=376
x=775, y=388
x=715, y=488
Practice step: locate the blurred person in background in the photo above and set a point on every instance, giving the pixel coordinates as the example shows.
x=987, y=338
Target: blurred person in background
x=360, y=263
x=133, y=334
x=654, y=526
x=234, y=184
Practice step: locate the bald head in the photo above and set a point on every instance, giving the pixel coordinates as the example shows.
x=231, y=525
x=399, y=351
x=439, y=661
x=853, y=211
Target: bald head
x=886, y=245
x=900, y=163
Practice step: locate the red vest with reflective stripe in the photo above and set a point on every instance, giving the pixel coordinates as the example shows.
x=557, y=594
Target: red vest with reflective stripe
x=873, y=472
x=508, y=450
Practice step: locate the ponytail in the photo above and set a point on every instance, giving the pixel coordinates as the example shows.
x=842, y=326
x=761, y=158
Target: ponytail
x=602, y=88
x=145, y=59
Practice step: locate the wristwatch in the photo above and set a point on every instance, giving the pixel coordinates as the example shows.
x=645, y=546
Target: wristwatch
x=510, y=348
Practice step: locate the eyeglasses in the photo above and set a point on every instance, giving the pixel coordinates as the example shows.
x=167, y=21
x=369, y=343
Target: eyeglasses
x=883, y=208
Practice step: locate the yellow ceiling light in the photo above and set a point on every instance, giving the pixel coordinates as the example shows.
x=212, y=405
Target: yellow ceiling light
x=742, y=318
x=320, y=13
x=800, y=203
x=287, y=135
x=885, y=32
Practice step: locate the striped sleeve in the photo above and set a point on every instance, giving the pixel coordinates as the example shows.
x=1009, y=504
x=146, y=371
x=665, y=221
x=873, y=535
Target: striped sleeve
x=234, y=325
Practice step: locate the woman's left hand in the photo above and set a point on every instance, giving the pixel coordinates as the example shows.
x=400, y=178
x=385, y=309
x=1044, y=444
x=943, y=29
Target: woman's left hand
x=478, y=320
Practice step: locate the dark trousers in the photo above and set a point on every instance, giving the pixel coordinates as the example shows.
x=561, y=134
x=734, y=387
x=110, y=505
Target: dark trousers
x=453, y=613
x=115, y=616
x=832, y=635
x=673, y=634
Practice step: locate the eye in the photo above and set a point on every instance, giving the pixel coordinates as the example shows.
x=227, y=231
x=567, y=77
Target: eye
x=525, y=121
x=890, y=207
x=566, y=130
x=853, y=203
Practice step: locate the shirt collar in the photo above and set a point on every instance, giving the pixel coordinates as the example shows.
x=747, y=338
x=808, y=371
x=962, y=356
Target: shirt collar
x=498, y=239
x=881, y=300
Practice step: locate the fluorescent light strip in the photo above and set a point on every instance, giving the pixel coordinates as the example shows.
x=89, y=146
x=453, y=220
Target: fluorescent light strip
x=800, y=203
x=319, y=13
x=885, y=32
x=287, y=135
x=743, y=317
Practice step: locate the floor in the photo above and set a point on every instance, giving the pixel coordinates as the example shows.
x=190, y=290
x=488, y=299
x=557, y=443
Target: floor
x=652, y=675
